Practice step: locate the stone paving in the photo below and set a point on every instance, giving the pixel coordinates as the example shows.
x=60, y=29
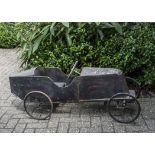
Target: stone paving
x=67, y=118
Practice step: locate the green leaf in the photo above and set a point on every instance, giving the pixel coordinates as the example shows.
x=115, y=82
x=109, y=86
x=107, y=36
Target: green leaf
x=97, y=23
x=107, y=25
x=126, y=23
x=60, y=31
x=69, y=41
x=29, y=54
x=80, y=25
x=45, y=32
x=118, y=27
x=18, y=35
x=66, y=24
x=37, y=43
x=52, y=28
x=100, y=34
x=33, y=35
x=45, y=29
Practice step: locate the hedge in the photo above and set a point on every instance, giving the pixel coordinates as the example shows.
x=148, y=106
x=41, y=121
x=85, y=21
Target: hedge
x=127, y=46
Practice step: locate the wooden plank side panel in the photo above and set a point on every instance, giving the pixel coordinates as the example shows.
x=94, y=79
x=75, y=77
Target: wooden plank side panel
x=20, y=86
x=99, y=87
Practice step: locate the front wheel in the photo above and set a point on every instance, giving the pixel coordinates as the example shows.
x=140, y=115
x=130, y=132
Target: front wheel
x=38, y=105
x=124, y=108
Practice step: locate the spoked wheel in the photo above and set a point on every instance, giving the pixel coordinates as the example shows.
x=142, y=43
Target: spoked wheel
x=124, y=108
x=133, y=86
x=38, y=105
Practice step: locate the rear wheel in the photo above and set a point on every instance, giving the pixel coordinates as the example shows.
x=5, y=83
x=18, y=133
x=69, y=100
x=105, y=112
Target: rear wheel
x=124, y=108
x=38, y=105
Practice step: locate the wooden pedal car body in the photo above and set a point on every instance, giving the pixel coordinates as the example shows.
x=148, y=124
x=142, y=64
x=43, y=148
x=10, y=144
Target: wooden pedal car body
x=93, y=84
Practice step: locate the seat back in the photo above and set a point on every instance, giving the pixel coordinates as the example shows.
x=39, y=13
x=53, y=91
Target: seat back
x=54, y=73
x=39, y=71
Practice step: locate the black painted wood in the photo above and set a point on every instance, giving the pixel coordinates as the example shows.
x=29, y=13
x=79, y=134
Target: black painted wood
x=54, y=73
x=80, y=88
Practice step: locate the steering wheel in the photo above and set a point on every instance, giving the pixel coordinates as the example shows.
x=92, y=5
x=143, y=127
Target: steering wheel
x=72, y=69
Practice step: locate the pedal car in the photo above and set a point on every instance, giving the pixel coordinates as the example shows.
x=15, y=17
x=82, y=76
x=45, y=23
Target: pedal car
x=43, y=88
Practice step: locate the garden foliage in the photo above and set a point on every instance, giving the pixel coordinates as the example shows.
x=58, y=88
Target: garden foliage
x=127, y=46
x=8, y=35
x=9, y=31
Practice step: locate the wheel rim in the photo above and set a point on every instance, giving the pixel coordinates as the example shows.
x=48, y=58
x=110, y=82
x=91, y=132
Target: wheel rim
x=124, y=108
x=38, y=105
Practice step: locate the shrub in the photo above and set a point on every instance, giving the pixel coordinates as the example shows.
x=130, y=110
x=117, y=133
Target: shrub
x=134, y=52
x=92, y=44
x=8, y=35
x=62, y=43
